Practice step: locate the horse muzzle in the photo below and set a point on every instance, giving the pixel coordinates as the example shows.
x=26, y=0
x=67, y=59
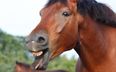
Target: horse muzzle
x=38, y=46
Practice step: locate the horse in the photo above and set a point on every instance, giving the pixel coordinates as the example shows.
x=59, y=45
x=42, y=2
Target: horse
x=87, y=26
x=22, y=67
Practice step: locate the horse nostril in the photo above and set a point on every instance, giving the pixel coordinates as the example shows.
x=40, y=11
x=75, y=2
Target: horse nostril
x=41, y=39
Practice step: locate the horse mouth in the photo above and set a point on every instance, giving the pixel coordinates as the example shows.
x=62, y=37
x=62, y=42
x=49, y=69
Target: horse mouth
x=41, y=59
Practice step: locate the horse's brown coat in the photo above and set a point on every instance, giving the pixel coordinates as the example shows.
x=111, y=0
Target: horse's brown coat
x=22, y=67
x=91, y=24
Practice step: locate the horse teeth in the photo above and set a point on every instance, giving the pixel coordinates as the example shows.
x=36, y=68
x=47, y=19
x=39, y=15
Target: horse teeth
x=39, y=64
x=36, y=66
x=33, y=54
x=38, y=53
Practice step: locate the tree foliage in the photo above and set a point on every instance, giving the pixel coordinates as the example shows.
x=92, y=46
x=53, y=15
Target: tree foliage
x=63, y=63
x=12, y=49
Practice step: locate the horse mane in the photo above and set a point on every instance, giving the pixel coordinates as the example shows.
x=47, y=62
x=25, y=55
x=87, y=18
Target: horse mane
x=97, y=11
x=51, y=2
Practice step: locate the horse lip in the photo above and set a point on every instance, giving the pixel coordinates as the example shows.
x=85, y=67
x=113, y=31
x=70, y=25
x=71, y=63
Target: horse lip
x=33, y=46
x=41, y=61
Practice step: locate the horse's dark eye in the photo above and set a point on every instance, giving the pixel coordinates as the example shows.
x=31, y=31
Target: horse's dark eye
x=66, y=14
x=40, y=14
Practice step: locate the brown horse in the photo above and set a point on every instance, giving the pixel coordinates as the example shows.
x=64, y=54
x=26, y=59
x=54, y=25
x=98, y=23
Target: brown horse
x=22, y=67
x=85, y=25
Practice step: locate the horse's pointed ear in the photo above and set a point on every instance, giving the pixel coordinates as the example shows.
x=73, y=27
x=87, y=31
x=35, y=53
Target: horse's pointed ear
x=72, y=3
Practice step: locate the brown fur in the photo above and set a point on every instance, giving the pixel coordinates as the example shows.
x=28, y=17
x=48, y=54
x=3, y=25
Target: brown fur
x=22, y=67
x=90, y=30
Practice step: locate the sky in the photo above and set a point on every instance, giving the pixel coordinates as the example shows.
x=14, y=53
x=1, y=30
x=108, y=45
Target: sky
x=20, y=17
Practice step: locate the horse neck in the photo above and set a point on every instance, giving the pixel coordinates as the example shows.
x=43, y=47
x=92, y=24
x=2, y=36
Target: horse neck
x=97, y=42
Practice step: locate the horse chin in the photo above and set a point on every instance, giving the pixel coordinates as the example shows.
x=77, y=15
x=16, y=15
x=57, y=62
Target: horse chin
x=41, y=60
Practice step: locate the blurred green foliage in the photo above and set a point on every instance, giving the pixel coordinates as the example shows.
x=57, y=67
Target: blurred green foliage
x=63, y=63
x=12, y=49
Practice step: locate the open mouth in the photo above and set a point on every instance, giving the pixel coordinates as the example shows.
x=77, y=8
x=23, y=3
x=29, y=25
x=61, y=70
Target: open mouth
x=41, y=59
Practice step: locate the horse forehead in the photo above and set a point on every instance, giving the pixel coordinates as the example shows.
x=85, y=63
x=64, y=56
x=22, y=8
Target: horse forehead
x=53, y=8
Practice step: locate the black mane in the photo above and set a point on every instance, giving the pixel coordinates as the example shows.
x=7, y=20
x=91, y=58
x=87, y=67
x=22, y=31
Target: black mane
x=51, y=2
x=97, y=11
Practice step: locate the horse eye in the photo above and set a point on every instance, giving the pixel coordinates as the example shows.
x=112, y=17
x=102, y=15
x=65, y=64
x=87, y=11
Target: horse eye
x=66, y=14
x=40, y=14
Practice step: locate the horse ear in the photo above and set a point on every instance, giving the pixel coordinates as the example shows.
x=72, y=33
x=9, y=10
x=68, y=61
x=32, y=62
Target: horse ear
x=72, y=3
